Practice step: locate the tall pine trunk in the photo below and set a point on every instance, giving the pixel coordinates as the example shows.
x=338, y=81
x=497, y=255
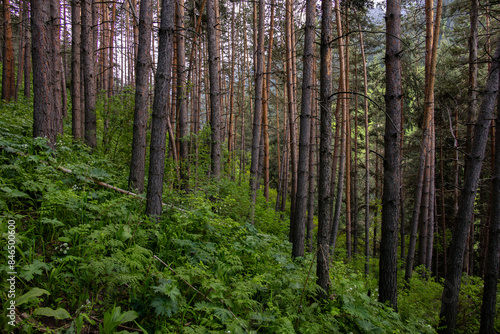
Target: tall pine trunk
x=160, y=111
x=432, y=38
x=390, y=197
x=299, y=217
x=342, y=122
x=20, y=49
x=367, y=154
x=265, y=106
x=215, y=100
x=27, y=53
x=290, y=83
x=76, y=111
x=324, y=194
x=89, y=74
x=257, y=116
x=45, y=106
x=138, y=161
x=182, y=109
x=8, y=72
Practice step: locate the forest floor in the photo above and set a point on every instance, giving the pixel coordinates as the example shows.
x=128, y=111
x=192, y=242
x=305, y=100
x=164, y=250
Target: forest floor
x=87, y=259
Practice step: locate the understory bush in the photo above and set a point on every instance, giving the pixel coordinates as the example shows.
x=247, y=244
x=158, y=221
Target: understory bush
x=89, y=260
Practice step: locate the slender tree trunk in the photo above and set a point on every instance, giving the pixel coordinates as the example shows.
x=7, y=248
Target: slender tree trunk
x=215, y=108
x=8, y=72
x=76, y=111
x=432, y=38
x=182, y=110
x=243, y=90
x=257, y=117
x=443, y=209
x=27, y=53
x=424, y=211
x=57, y=74
x=342, y=103
x=299, y=216
x=89, y=74
x=312, y=159
x=390, y=198
x=472, y=89
x=230, y=131
x=367, y=155
x=432, y=201
x=324, y=182
x=265, y=101
x=348, y=141
x=402, y=230
x=449, y=302
x=59, y=59
x=138, y=161
x=354, y=214
x=20, y=49
x=160, y=111
x=111, y=50
x=292, y=111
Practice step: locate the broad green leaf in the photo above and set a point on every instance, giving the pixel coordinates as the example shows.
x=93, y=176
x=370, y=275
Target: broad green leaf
x=128, y=316
x=28, y=296
x=59, y=314
x=14, y=192
x=35, y=268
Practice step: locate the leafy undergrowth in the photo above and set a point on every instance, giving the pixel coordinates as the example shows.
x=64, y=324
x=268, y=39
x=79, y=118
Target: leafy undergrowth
x=89, y=261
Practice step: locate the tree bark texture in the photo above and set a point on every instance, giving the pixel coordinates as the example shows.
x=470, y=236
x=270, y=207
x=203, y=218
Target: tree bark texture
x=44, y=112
x=367, y=155
x=182, y=109
x=88, y=63
x=76, y=106
x=390, y=197
x=8, y=71
x=342, y=122
x=27, y=53
x=160, y=110
x=265, y=105
x=257, y=116
x=138, y=161
x=20, y=49
x=324, y=194
x=299, y=217
x=215, y=104
x=291, y=100
x=57, y=72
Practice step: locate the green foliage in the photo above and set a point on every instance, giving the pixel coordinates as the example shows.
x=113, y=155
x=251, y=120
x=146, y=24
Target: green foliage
x=59, y=314
x=91, y=253
x=113, y=318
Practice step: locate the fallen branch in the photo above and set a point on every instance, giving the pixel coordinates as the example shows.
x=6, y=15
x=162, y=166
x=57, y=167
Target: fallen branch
x=109, y=186
x=102, y=184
